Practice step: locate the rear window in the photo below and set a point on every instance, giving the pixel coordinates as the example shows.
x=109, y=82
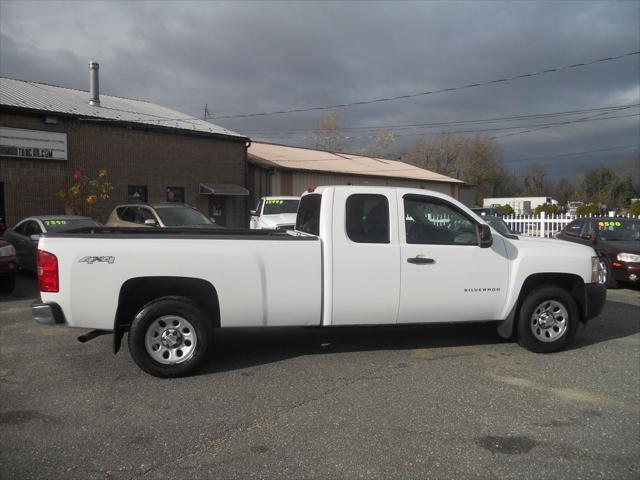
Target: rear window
x=308, y=219
x=275, y=207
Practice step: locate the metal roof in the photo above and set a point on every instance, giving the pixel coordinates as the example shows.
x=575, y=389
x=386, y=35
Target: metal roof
x=297, y=158
x=49, y=98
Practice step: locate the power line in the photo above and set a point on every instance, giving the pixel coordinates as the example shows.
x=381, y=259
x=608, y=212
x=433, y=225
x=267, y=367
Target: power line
x=451, y=123
x=571, y=154
x=430, y=92
x=494, y=129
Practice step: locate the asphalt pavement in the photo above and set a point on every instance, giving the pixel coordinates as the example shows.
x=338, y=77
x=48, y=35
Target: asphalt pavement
x=380, y=402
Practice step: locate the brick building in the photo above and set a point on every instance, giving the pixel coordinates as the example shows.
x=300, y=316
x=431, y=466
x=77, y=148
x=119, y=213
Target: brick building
x=151, y=153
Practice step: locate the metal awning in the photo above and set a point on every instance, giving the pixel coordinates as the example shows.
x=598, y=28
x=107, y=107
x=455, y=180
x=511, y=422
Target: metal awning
x=222, y=189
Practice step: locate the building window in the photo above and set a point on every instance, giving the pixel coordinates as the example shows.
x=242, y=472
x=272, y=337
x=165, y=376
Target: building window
x=175, y=194
x=137, y=193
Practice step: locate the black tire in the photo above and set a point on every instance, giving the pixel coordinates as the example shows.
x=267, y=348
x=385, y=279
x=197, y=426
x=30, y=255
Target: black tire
x=8, y=283
x=539, y=337
x=171, y=308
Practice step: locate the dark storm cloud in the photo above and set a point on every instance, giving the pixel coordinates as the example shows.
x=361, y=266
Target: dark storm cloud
x=251, y=57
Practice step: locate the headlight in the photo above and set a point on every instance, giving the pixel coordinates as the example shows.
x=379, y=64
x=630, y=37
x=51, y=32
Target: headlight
x=7, y=251
x=628, y=257
x=596, y=267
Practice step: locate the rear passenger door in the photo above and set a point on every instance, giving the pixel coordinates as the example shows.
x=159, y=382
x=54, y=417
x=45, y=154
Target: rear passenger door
x=366, y=262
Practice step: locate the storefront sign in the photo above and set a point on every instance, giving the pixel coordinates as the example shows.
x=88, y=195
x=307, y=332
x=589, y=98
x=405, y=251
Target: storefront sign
x=17, y=142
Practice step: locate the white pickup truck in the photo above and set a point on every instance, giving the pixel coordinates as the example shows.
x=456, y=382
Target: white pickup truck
x=357, y=256
x=275, y=213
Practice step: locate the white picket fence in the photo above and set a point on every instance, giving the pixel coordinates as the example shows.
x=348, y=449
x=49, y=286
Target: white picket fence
x=542, y=225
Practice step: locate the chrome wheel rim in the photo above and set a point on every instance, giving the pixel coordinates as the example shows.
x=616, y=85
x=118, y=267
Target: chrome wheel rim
x=549, y=321
x=170, y=340
x=602, y=274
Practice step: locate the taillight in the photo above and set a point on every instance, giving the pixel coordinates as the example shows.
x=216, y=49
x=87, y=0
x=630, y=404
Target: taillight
x=48, y=272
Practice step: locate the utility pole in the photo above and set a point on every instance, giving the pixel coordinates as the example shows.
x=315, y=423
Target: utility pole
x=206, y=112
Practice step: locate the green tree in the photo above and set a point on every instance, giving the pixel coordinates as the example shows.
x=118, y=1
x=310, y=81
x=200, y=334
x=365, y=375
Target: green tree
x=505, y=210
x=624, y=192
x=635, y=209
x=599, y=185
x=587, y=209
x=548, y=208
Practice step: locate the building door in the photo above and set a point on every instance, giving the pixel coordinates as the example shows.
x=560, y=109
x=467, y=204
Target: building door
x=217, y=209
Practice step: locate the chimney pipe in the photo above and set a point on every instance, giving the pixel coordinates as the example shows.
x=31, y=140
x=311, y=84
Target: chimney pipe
x=93, y=82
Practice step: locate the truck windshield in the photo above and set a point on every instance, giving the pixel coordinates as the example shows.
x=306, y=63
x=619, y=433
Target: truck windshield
x=308, y=219
x=276, y=207
x=181, y=216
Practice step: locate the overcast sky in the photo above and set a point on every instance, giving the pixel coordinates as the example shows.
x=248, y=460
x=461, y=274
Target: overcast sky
x=246, y=57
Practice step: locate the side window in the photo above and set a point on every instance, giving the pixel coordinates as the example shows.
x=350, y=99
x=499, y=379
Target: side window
x=32, y=228
x=587, y=229
x=436, y=222
x=368, y=218
x=146, y=214
x=574, y=228
x=127, y=214
x=308, y=219
x=21, y=228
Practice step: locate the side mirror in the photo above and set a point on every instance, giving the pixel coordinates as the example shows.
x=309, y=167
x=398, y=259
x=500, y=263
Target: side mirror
x=586, y=237
x=150, y=222
x=253, y=213
x=35, y=238
x=213, y=220
x=485, y=239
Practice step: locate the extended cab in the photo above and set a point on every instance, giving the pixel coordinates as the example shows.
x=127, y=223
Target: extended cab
x=357, y=256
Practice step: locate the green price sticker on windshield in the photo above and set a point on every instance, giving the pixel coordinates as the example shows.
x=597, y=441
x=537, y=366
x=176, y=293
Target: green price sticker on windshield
x=55, y=222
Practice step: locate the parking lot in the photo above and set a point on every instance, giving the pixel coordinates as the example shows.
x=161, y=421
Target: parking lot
x=409, y=402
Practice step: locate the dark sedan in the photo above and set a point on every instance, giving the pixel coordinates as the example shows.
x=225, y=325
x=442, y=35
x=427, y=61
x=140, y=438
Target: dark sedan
x=617, y=242
x=25, y=235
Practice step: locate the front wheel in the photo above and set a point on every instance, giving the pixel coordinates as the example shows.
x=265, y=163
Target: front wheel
x=169, y=337
x=548, y=320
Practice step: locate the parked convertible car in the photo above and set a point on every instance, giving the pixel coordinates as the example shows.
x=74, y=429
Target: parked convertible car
x=617, y=242
x=25, y=235
x=168, y=214
x=8, y=267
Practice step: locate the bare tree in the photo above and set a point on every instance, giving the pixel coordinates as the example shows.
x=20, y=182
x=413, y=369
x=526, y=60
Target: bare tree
x=328, y=137
x=380, y=144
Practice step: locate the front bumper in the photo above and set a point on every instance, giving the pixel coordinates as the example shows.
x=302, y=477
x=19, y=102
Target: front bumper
x=595, y=296
x=47, y=313
x=626, y=271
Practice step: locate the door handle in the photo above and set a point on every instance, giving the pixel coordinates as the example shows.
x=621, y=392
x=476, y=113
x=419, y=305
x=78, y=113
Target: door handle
x=420, y=260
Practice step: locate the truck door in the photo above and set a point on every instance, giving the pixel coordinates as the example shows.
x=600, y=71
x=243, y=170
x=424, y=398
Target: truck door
x=366, y=257
x=446, y=276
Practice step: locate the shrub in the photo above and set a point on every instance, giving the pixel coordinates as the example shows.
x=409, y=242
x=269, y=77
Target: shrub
x=548, y=208
x=505, y=210
x=587, y=209
x=635, y=209
x=84, y=193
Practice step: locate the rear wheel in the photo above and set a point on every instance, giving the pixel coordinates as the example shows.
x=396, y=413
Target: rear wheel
x=169, y=337
x=548, y=320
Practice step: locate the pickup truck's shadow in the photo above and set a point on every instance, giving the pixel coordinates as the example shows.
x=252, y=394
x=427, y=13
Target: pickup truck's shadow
x=243, y=348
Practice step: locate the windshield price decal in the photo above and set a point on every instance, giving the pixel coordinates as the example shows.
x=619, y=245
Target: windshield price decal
x=274, y=202
x=55, y=222
x=609, y=225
